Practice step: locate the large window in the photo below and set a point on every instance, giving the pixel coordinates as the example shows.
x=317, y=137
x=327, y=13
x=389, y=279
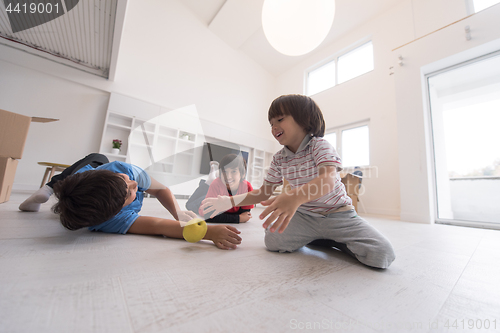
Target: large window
x=352, y=143
x=355, y=63
x=339, y=69
x=465, y=112
x=321, y=78
x=332, y=138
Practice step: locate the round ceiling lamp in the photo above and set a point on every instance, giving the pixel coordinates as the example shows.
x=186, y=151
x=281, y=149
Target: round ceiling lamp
x=296, y=27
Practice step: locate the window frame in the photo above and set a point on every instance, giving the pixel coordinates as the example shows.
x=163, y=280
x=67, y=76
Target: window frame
x=323, y=63
x=347, y=53
x=338, y=130
x=334, y=58
x=430, y=136
x=471, y=8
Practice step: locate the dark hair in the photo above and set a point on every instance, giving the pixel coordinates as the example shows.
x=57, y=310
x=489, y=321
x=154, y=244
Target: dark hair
x=237, y=161
x=304, y=111
x=89, y=198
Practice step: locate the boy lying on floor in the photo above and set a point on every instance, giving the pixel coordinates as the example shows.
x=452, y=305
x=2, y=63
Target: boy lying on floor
x=108, y=197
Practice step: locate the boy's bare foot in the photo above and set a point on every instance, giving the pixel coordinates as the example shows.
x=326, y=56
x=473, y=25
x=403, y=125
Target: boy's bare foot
x=245, y=217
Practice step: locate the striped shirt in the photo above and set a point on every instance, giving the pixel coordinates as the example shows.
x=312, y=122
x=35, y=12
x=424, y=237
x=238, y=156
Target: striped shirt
x=302, y=167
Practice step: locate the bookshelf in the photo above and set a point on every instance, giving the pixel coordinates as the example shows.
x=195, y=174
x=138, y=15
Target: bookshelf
x=259, y=163
x=163, y=149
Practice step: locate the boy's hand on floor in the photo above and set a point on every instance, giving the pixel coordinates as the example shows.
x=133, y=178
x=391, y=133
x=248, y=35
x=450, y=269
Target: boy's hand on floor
x=186, y=215
x=224, y=236
x=217, y=205
x=282, y=208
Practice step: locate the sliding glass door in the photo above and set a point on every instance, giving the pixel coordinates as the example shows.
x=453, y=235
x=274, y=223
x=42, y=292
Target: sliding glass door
x=465, y=122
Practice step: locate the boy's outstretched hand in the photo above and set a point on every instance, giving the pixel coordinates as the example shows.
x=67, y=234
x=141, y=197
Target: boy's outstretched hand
x=218, y=205
x=224, y=236
x=282, y=209
x=186, y=215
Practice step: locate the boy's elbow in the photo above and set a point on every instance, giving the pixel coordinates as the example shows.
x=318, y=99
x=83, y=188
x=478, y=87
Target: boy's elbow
x=326, y=183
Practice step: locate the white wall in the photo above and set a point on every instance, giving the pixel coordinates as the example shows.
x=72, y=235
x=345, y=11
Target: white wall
x=167, y=57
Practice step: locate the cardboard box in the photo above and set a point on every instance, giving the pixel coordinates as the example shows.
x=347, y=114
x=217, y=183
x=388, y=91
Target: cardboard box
x=354, y=199
x=13, y=133
x=351, y=183
x=7, y=173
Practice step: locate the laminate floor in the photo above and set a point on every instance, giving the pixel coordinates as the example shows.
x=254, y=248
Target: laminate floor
x=444, y=279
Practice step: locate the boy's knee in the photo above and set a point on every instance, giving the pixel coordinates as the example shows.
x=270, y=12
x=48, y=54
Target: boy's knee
x=277, y=243
x=380, y=255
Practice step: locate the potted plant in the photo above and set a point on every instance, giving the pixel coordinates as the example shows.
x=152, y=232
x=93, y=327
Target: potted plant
x=117, y=144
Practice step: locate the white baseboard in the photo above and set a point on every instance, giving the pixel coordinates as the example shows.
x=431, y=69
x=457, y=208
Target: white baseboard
x=417, y=218
x=23, y=188
x=378, y=211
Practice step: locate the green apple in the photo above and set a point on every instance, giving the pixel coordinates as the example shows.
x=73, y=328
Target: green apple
x=195, y=230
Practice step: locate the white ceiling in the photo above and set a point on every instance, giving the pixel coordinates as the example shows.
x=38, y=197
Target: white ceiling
x=238, y=23
x=85, y=37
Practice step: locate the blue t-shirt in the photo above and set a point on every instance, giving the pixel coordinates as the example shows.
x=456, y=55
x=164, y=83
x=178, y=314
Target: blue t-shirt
x=122, y=221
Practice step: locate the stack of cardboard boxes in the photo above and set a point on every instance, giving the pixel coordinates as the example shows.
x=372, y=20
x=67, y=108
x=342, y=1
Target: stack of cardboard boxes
x=13, y=133
x=351, y=183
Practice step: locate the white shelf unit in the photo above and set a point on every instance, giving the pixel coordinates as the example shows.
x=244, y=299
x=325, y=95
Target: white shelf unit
x=259, y=163
x=184, y=157
x=166, y=150
x=116, y=126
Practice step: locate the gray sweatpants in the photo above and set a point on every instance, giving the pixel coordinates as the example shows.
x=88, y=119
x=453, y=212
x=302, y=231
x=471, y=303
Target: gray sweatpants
x=344, y=230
